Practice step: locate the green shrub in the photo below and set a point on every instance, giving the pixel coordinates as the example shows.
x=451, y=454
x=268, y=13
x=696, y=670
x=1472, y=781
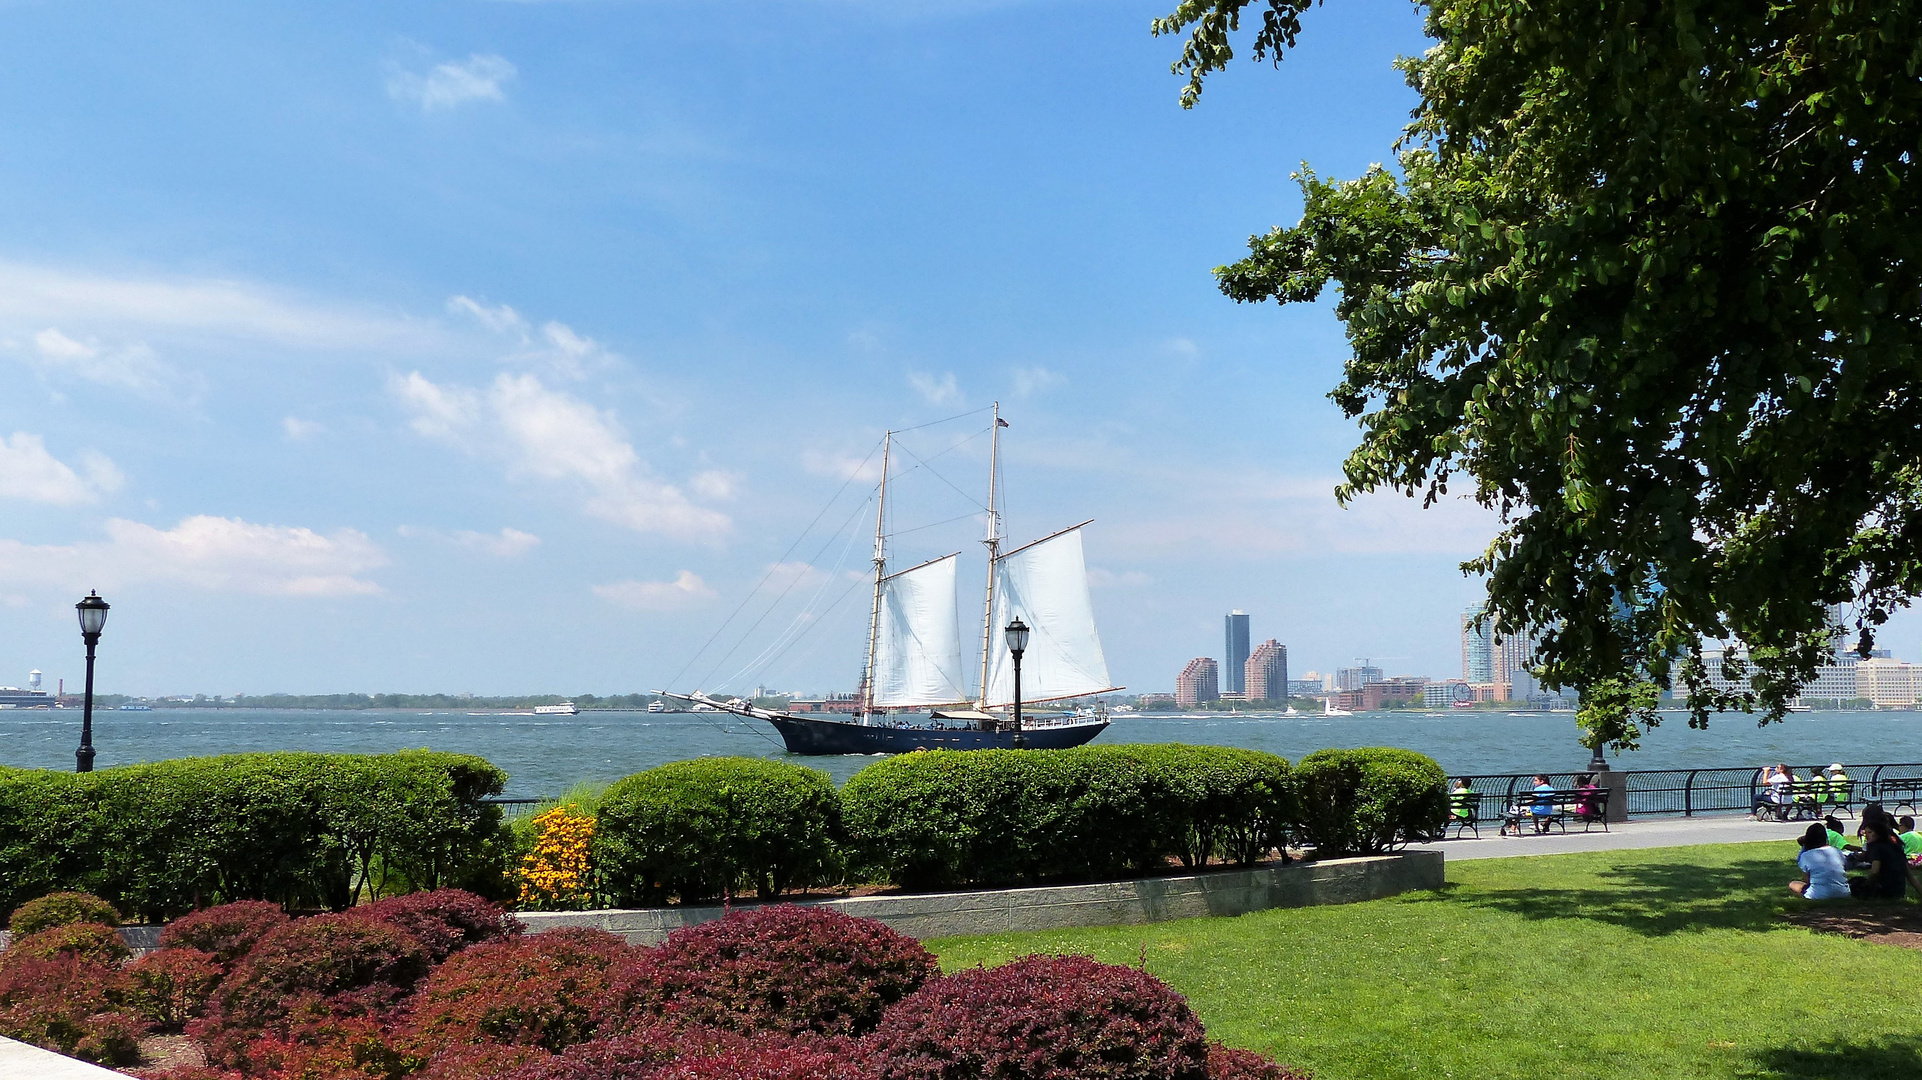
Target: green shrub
x=301, y=830
x=61, y=909
x=943, y=818
x=699, y=829
x=1369, y=800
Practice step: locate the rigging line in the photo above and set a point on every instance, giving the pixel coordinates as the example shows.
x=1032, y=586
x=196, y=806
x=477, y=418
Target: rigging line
x=798, y=638
x=949, y=420
x=931, y=525
x=776, y=602
x=800, y=617
x=692, y=660
x=931, y=469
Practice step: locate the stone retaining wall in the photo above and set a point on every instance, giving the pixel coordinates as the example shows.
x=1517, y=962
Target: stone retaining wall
x=1059, y=907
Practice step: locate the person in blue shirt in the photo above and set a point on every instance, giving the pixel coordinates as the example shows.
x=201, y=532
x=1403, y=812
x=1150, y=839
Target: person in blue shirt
x=1822, y=875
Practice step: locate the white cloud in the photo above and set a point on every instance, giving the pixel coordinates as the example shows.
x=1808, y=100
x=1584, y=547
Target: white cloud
x=942, y=391
x=300, y=430
x=28, y=471
x=214, y=553
x=549, y=435
x=559, y=348
x=505, y=544
x=841, y=466
x=685, y=591
x=716, y=484
x=499, y=320
x=1031, y=381
x=478, y=78
x=134, y=367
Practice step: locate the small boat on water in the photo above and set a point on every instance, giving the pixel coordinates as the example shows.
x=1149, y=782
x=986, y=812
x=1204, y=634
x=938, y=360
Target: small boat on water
x=565, y=708
x=914, y=650
x=657, y=706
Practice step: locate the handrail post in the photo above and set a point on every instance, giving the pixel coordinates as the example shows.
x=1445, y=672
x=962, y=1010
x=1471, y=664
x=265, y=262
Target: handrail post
x=1688, y=794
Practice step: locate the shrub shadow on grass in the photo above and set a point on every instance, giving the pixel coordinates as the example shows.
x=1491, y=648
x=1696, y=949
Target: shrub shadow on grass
x=1872, y=1059
x=1651, y=898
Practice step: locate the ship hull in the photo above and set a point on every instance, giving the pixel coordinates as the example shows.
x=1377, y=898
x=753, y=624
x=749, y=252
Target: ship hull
x=808, y=736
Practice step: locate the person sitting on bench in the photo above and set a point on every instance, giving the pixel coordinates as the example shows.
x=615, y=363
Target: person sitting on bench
x=1821, y=865
x=1587, y=807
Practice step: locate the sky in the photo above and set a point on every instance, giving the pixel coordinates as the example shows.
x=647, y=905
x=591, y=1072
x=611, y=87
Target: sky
x=545, y=347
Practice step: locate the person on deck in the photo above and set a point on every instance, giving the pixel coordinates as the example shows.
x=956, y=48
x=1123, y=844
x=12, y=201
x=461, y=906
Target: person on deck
x=1821, y=865
x=1889, y=874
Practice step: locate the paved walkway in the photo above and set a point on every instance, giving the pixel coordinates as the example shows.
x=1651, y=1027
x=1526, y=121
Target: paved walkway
x=1640, y=833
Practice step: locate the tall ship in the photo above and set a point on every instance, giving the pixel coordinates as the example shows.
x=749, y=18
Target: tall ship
x=914, y=650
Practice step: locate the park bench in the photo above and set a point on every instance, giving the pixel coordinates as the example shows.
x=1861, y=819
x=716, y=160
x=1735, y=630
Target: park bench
x=1897, y=792
x=1811, y=800
x=1564, y=805
x=1464, y=815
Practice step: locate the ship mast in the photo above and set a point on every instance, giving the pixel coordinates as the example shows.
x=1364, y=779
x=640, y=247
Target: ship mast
x=994, y=553
x=880, y=574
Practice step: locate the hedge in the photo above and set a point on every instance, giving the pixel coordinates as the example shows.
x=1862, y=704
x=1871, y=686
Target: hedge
x=1369, y=800
x=701, y=829
x=298, y=829
x=942, y=818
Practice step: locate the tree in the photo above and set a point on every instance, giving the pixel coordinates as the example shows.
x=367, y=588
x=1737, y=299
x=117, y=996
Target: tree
x=1646, y=279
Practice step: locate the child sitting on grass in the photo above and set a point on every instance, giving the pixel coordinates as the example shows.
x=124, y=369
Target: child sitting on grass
x=1821, y=864
x=1889, y=874
x=1911, y=840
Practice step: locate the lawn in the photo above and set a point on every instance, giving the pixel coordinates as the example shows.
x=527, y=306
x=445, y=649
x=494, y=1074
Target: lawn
x=1658, y=963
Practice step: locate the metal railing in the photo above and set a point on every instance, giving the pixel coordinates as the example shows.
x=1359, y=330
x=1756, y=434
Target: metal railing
x=1688, y=792
x=517, y=808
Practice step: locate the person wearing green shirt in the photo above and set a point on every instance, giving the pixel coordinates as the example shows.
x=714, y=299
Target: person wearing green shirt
x=1836, y=839
x=1911, y=840
x=1461, y=801
x=1839, y=784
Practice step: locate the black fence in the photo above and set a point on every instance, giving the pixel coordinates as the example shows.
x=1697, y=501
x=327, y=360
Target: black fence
x=516, y=808
x=1688, y=792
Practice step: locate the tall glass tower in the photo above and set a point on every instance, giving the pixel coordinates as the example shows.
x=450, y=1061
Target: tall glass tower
x=1234, y=668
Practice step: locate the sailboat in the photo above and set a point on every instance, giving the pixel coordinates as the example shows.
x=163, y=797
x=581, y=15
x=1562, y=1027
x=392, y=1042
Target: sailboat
x=914, y=650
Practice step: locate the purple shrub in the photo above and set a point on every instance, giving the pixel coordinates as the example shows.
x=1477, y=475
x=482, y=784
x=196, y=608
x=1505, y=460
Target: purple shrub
x=171, y=986
x=1042, y=1018
x=229, y=931
x=1230, y=1063
x=544, y=990
x=445, y=920
x=68, y=1004
x=783, y=969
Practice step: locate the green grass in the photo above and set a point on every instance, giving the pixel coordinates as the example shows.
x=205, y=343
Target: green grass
x=1661, y=963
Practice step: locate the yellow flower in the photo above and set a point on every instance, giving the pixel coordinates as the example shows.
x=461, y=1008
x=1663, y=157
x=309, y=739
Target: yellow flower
x=558, y=873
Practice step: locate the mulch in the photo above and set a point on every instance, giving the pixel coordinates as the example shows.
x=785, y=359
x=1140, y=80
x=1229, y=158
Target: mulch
x=1901, y=926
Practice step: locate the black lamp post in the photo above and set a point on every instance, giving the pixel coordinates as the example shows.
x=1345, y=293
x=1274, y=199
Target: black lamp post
x=1017, y=634
x=93, y=618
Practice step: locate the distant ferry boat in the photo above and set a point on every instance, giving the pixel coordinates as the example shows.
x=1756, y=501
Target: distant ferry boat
x=136, y=708
x=565, y=708
x=656, y=707
x=914, y=651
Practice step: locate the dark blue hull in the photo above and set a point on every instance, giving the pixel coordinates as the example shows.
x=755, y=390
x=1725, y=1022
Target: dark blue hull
x=808, y=736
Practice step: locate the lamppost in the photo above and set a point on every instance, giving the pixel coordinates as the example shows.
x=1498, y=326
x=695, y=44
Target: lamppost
x=1017, y=635
x=93, y=618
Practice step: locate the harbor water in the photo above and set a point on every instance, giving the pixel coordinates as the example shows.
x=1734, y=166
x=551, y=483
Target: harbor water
x=544, y=755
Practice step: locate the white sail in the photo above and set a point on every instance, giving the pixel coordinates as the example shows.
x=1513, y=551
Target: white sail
x=1046, y=584
x=917, y=647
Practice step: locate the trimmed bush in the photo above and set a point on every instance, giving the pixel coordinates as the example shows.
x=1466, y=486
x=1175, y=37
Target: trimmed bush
x=171, y=986
x=228, y=932
x=90, y=942
x=61, y=909
x=445, y=920
x=700, y=829
x=814, y=1060
x=303, y=830
x=70, y=1005
x=632, y=1056
x=1369, y=800
x=1042, y=1018
x=783, y=969
x=326, y=965
x=545, y=990
x=1229, y=1063
x=944, y=818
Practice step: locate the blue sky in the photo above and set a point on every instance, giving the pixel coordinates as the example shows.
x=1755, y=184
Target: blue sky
x=504, y=347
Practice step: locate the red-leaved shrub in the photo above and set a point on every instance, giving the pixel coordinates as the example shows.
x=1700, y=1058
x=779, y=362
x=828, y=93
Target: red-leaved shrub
x=229, y=931
x=171, y=986
x=543, y=990
x=479, y=1061
x=785, y=968
x=68, y=1004
x=1042, y=1018
x=821, y=1059
x=1231, y=1063
x=631, y=1056
x=60, y=909
x=91, y=942
x=321, y=1047
x=445, y=920
x=309, y=970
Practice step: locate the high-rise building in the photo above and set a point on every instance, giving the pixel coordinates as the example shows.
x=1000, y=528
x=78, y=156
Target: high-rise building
x=1354, y=678
x=1234, y=679
x=1200, y=681
x=1267, y=672
x=1478, y=647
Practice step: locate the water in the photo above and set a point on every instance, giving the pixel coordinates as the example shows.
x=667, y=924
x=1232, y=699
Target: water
x=544, y=755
